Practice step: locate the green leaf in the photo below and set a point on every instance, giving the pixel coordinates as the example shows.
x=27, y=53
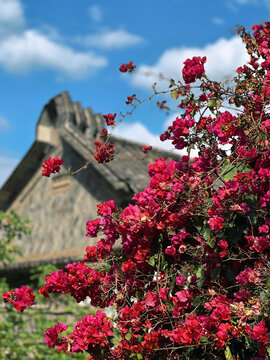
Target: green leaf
x=169, y=305
x=251, y=200
x=206, y=233
x=230, y=274
x=212, y=243
x=200, y=277
x=139, y=356
x=228, y=354
x=116, y=338
x=107, y=267
x=218, y=104
x=204, y=339
x=197, y=301
x=152, y=261
x=174, y=94
x=128, y=336
x=215, y=273
x=211, y=103
x=172, y=83
x=172, y=285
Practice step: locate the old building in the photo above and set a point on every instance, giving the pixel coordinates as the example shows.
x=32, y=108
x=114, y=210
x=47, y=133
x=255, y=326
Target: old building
x=59, y=206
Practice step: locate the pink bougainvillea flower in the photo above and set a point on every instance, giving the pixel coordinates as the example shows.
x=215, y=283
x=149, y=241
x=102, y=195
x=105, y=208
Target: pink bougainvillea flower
x=260, y=333
x=91, y=330
x=248, y=276
x=20, y=298
x=216, y=223
x=51, y=335
x=193, y=69
x=51, y=166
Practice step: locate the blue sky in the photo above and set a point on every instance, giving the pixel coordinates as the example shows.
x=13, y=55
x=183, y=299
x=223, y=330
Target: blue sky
x=50, y=46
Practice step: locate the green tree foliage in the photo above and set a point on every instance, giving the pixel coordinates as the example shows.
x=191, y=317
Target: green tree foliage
x=22, y=337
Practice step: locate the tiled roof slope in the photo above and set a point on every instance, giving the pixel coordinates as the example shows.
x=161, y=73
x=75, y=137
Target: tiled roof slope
x=61, y=123
x=80, y=128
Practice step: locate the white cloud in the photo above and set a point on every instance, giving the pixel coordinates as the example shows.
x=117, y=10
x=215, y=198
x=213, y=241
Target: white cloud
x=7, y=165
x=4, y=124
x=223, y=57
x=232, y=4
x=11, y=15
x=23, y=50
x=95, y=13
x=246, y=2
x=32, y=50
x=138, y=132
x=114, y=39
x=243, y=2
x=218, y=21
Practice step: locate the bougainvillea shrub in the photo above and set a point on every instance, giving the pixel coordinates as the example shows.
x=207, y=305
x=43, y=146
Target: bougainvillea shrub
x=191, y=279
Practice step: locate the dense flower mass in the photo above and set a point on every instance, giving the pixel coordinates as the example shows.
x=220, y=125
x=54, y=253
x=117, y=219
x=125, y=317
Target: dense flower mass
x=51, y=166
x=186, y=266
x=92, y=330
x=20, y=298
x=193, y=69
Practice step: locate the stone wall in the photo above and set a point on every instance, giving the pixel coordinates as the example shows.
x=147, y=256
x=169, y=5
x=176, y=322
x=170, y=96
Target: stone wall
x=58, y=208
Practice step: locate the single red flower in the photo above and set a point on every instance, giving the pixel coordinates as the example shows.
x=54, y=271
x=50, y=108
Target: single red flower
x=51, y=166
x=146, y=148
x=123, y=68
x=216, y=223
x=109, y=118
x=127, y=67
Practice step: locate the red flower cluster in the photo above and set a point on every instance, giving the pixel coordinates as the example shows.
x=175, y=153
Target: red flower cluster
x=51, y=335
x=79, y=281
x=146, y=148
x=109, y=118
x=92, y=228
x=179, y=131
x=91, y=330
x=127, y=67
x=193, y=69
x=248, y=276
x=130, y=99
x=162, y=104
x=260, y=333
x=216, y=223
x=104, y=153
x=20, y=298
x=225, y=127
x=51, y=166
x=104, y=133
